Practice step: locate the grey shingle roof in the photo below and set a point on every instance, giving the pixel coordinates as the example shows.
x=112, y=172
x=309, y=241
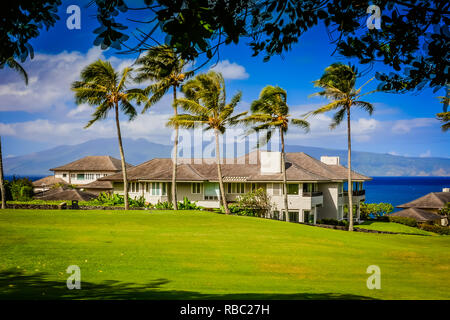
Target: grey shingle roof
x=433, y=200
x=417, y=214
x=93, y=163
x=48, y=181
x=300, y=167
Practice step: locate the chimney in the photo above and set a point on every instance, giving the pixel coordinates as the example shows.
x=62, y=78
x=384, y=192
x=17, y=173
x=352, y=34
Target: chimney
x=446, y=190
x=330, y=160
x=270, y=162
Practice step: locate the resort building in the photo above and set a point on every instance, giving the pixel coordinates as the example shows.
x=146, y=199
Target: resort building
x=82, y=172
x=426, y=208
x=315, y=188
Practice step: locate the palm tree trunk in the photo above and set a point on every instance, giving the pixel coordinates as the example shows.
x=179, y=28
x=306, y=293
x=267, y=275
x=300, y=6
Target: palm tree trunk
x=175, y=155
x=122, y=158
x=2, y=186
x=349, y=180
x=283, y=171
x=219, y=174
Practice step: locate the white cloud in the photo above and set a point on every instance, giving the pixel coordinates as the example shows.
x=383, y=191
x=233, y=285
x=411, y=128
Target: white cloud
x=81, y=111
x=149, y=126
x=230, y=70
x=405, y=126
x=50, y=80
x=425, y=154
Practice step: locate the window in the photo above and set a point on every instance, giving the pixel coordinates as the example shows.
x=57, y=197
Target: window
x=64, y=175
x=276, y=215
x=80, y=176
x=98, y=175
x=292, y=188
x=196, y=188
x=211, y=198
x=89, y=176
x=293, y=216
x=310, y=187
x=158, y=188
x=235, y=188
x=73, y=175
x=307, y=216
x=276, y=189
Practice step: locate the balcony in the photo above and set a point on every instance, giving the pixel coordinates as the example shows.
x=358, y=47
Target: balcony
x=356, y=193
x=312, y=194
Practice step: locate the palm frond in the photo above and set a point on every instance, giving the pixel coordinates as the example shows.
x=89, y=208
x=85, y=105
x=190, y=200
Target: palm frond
x=301, y=123
x=337, y=118
x=13, y=64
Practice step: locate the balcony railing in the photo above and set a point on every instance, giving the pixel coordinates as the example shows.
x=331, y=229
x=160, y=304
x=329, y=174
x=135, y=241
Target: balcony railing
x=355, y=193
x=312, y=194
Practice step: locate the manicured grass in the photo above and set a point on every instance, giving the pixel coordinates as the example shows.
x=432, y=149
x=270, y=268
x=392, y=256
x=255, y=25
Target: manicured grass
x=393, y=227
x=190, y=255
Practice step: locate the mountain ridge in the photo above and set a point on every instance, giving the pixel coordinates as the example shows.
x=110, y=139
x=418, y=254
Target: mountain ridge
x=140, y=150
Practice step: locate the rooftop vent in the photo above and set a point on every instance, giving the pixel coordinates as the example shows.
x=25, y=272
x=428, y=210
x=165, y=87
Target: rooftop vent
x=270, y=162
x=329, y=160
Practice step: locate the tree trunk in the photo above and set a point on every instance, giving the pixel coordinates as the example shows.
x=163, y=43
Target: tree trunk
x=122, y=158
x=175, y=155
x=2, y=186
x=219, y=174
x=283, y=171
x=349, y=180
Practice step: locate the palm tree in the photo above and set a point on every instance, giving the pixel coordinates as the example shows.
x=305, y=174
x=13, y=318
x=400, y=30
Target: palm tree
x=338, y=84
x=13, y=64
x=2, y=186
x=444, y=116
x=163, y=65
x=205, y=102
x=103, y=87
x=270, y=112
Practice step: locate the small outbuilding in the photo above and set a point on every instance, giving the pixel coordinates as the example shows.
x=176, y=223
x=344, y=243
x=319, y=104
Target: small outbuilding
x=419, y=215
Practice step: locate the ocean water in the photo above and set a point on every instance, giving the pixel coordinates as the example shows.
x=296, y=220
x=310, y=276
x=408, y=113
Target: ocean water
x=398, y=190
x=394, y=190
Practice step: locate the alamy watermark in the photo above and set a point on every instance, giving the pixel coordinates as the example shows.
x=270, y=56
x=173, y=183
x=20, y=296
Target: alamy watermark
x=74, y=280
x=374, y=280
x=375, y=16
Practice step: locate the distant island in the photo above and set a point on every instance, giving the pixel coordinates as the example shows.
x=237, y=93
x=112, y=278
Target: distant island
x=140, y=150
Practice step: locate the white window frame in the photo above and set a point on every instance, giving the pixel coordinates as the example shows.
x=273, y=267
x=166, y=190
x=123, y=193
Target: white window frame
x=196, y=188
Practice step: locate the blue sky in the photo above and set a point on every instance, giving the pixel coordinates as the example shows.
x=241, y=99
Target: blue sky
x=43, y=115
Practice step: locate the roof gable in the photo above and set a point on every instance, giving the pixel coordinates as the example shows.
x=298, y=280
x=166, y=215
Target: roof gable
x=93, y=163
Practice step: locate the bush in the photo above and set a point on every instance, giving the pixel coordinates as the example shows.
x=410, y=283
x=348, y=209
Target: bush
x=188, y=205
x=375, y=210
x=255, y=203
x=166, y=205
x=404, y=220
x=435, y=228
x=21, y=189
x=333, y=222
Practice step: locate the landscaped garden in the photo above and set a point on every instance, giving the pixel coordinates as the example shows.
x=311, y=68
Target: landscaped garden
x=196, y=254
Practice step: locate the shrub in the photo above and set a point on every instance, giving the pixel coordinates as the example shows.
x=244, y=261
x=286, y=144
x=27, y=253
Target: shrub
x=255, y=203
x=375, y=210
x=21, y=189
x=332, y=222
x=166, y=205
x=404, y=220
x=435, y=228
x=188, y=205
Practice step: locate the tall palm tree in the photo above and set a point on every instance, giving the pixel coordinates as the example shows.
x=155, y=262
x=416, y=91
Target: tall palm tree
x=103, y=87
x=271, y=113
x=205, y=102
x=338, y=84
x=163, y=65
x=13, y=64
x=2, y=186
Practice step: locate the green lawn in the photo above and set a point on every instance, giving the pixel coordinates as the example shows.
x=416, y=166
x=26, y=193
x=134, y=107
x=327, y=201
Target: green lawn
x=393, y=227
x=190, y=255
